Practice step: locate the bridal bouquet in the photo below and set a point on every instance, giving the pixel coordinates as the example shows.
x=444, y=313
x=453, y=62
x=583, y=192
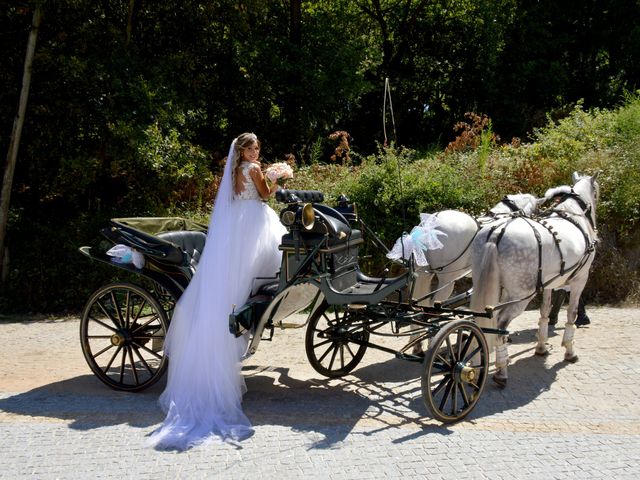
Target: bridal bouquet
x=278, y=172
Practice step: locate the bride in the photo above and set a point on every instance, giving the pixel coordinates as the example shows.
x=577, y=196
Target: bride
x=204, y=390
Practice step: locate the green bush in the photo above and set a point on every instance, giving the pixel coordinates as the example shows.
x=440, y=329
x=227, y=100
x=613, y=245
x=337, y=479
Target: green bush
x=392, y=187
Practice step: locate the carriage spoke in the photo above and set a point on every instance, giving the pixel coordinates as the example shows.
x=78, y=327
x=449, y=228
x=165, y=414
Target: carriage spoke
x=326, y=352
x=447, y=393
x=104, y=310
x=459, y=344
x=133, y=366
x=333, y=357
x=124, y=359
x=127, y=309
x=454, y=396
x=324, y=342
x=115, y=354
x=117, y=307
x=442, y=383
x=100, y=322
x=144, y=362
x=444, y=361
x=142, y=305
x=464, y=394
x=450, y=348
x=329, y=321
x=152, y=319
x=144, y=337
x=441, y=367
x=350, y=351
x=475, y=351
x=108, y=347
x=467, y=345
x=146, y=349
x=341, y=355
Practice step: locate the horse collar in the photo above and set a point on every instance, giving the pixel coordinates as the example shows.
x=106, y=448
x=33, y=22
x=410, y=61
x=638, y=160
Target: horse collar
x=586, y=209
x=576, y=196
x=510, y=204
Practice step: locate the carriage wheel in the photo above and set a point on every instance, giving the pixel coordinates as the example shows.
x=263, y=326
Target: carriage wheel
x=122, y=333
x=455, y=370
x=329, y=340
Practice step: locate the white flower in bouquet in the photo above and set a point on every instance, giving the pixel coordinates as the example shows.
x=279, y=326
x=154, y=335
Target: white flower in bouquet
x=279, y=171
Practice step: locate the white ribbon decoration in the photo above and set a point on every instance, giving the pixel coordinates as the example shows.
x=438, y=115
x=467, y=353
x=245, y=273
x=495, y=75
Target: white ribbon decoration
x=422, y=238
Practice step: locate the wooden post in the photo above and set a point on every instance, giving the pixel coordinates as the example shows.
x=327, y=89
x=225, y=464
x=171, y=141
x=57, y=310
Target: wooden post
x=14, y=143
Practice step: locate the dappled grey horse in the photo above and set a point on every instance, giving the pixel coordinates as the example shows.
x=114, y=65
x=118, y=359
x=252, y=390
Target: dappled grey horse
x=451, y=259
x=512, y=263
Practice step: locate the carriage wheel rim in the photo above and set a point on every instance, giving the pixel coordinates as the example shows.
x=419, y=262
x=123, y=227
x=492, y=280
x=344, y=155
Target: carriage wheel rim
x=122, y=334
x=451, y=383
x=329, y=342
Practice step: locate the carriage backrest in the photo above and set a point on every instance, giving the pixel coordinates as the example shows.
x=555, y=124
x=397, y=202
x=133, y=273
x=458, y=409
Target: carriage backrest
x=192, y=243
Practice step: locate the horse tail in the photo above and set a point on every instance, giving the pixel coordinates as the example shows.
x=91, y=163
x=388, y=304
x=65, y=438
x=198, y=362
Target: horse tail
x=486, y=285
x=486, y=277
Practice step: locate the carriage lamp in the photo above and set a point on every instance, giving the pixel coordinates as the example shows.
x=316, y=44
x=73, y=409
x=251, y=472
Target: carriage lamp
x=307, y=216
x=288, y=218
x=299, y=216
x=347, y=209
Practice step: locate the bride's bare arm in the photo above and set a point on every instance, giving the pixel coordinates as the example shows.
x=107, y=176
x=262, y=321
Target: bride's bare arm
x=261, y=182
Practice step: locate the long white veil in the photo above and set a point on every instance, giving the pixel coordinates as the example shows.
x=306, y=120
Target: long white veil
x=205, y=386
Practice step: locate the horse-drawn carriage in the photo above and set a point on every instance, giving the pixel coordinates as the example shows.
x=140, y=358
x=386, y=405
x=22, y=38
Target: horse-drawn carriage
x=123, y=325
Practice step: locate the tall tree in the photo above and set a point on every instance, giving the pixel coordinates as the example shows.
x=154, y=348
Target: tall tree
x=295, y=22
x=14, y=143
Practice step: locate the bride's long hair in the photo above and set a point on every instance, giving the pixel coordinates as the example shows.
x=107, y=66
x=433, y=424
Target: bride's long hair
x=241, y=142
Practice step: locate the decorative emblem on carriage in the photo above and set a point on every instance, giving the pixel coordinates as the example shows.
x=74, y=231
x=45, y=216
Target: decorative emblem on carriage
x=344, y=259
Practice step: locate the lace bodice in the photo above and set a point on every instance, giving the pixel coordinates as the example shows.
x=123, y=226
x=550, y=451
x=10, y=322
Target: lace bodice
x=250, y=191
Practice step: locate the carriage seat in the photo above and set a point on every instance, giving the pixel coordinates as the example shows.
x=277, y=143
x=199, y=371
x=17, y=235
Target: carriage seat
x=190, y=242
x=296, y=196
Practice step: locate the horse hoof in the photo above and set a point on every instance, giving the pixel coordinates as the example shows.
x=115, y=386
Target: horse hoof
x=572, y=359
x=544, y=353
x=417, y=351
x=500, y=381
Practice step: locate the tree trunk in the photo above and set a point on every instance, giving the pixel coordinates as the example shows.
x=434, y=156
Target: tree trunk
x=295, y=33
x=132, y=16
x=14, y=143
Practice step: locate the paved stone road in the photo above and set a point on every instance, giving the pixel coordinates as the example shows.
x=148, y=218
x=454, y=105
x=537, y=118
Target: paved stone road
x=554, y=420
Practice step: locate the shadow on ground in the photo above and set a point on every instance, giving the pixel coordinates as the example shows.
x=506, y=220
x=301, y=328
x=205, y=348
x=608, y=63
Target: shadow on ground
x=375, y=397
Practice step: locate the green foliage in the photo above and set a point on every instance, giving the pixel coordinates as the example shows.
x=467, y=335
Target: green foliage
x=393, y=186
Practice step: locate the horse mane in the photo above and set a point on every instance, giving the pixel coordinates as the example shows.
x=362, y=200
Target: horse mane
x=552, y=192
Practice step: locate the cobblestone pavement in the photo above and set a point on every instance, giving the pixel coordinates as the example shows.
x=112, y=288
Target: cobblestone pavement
x=554, y=420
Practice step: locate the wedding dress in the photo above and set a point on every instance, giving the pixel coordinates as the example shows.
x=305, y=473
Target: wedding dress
x=204, y=389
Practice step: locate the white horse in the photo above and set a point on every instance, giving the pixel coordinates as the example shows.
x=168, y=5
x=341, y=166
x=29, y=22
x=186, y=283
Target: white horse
x=521, y=257
x=453, y=260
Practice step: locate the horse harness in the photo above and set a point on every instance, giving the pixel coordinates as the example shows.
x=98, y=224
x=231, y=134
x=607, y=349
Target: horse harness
x=589, y=243
x=493, y=216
